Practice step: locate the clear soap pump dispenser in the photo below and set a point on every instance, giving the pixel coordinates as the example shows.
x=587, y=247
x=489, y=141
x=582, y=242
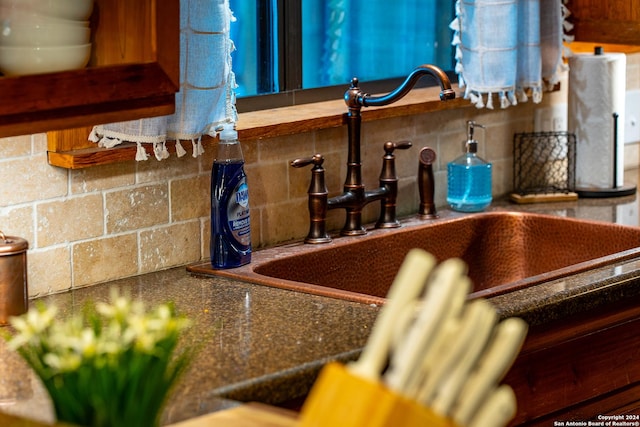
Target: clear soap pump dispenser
x=469, y=177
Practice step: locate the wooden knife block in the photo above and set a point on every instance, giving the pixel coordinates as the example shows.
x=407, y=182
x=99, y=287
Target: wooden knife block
x=339, y=398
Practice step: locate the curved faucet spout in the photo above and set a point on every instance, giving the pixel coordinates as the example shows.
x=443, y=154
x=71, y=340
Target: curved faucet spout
x=355, y=98
x=354, y=196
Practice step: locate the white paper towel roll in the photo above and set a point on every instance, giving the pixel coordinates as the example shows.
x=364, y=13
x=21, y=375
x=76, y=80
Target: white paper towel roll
x=597, y=91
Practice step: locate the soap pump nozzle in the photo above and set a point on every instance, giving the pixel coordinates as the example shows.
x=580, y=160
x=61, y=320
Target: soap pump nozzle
x=471, y=144
x=228, y=132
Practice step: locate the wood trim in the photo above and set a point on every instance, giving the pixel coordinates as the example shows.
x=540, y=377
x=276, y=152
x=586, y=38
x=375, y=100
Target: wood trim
x=166, y=40
x=620, y=402
x=612, y=21
x=588, y=47
x=606, y=31
x=573, y=366
x=94, y=156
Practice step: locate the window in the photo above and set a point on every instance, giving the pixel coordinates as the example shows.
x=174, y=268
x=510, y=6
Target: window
x=296, y=51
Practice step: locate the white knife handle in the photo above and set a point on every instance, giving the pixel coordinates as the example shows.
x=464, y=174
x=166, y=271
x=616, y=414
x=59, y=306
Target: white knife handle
x=444, y=342
x=406, y=287
x=403, y=322
x=453, y=384
x=499, y=408
x=435, y=307
x=506, y=343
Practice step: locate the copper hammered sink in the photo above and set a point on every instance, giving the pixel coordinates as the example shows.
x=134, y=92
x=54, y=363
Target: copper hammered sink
x=503, y=250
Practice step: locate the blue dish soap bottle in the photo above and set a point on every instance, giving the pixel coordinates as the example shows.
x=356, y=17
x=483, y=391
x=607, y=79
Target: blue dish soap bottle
x=469, y=177
x=230, y=220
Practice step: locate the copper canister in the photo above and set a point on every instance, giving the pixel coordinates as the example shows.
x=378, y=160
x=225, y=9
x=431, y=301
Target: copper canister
x=13, y=277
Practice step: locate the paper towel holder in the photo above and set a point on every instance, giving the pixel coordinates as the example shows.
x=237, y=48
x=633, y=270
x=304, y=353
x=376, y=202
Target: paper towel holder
x=616, y=190
x=593, y=192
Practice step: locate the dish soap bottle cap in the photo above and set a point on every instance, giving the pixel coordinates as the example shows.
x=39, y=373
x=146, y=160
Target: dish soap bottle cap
x=471, y=144
x=228, y=132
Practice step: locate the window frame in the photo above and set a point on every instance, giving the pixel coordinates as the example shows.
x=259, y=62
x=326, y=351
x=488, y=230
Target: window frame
x=287, y=90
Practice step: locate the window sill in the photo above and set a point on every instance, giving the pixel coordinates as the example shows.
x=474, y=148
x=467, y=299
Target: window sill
x=328, y=114
x=269, y=124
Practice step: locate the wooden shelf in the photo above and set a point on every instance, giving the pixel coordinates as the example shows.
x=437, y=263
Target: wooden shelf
x=70, y=149
x=133, y=73
x=85, y=157
x=83, y=97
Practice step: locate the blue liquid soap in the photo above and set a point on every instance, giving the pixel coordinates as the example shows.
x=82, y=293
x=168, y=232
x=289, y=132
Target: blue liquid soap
x=469, y=179
x=230, y=220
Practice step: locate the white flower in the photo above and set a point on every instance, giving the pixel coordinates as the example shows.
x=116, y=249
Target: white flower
x=125, y=325
x=87, y=344
x=118, y=309
x=31, y=326
x=62, y=362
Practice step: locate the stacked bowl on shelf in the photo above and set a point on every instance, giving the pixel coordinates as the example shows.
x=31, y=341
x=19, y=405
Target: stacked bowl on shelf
x=44, y=36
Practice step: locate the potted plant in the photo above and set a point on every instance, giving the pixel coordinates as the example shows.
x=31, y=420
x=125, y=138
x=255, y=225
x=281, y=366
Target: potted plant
x=114, y=365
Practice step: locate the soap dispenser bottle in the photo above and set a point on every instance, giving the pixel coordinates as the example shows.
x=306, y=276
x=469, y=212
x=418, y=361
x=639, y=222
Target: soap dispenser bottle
x=230, y=221
x=469, y=177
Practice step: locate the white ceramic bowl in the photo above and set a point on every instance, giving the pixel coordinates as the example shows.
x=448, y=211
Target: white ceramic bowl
x=44, y=35
x=9, y=17
x=75, y=10
x=16, y=60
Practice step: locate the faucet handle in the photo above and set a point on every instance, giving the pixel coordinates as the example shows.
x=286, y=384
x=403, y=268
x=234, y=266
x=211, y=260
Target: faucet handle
x=390, y=146
x=315, y=160
x=389, y=182
x=388, y=173
x=317, y=186
x=318, y=196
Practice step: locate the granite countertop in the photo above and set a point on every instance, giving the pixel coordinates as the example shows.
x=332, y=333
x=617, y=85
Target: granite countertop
x=258, y=343
x=255, y=343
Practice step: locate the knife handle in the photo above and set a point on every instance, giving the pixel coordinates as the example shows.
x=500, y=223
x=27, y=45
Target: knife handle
x=406, y=287
x=500, y=355
x=499, y=408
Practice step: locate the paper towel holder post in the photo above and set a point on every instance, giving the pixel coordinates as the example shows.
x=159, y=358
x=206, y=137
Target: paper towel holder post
x=616, y=190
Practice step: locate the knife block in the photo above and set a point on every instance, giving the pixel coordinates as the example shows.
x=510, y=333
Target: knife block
x=339, y=398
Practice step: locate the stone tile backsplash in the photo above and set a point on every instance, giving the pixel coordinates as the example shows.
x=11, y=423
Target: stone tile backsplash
x=93, y=225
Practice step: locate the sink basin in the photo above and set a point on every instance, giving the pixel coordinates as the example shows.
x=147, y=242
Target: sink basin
x=504, y=251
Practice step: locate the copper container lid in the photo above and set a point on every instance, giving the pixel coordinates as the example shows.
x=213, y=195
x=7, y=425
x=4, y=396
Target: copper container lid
x=10, y=245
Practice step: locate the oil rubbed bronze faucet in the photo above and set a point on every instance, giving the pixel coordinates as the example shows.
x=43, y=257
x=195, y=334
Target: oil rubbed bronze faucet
x=354, y=197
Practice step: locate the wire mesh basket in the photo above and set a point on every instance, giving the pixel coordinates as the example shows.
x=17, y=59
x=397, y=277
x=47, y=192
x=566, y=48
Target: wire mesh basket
x=544, y=163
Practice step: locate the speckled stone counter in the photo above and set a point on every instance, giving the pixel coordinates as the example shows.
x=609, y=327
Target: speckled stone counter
x=266, y=344
x=254, y=343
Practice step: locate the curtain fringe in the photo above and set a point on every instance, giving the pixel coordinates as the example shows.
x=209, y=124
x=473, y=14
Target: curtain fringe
x=141, y=153
x=197, y=147
x=180, y=151
x=160, y=150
